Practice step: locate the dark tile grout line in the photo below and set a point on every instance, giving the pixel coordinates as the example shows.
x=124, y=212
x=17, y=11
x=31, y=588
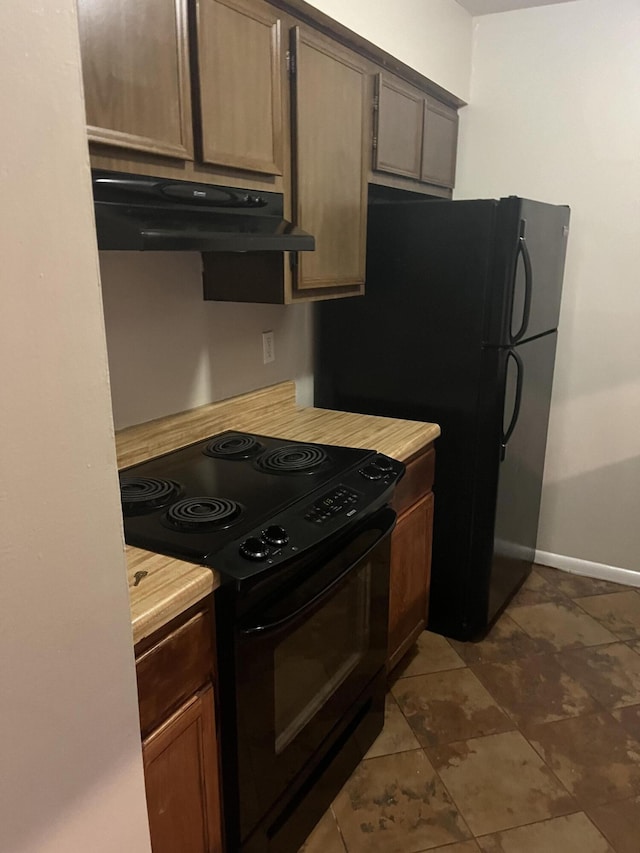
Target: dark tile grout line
x=342, y=839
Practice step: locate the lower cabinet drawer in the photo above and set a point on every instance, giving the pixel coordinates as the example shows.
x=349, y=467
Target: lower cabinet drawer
x=174, y=669
x=416, y=482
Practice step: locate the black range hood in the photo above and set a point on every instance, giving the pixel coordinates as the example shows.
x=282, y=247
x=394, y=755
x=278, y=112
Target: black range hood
x=141, y=213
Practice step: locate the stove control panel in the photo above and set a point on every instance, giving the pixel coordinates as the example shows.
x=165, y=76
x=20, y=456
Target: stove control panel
x=299, y=528
x=340, y=499
x=267, y=545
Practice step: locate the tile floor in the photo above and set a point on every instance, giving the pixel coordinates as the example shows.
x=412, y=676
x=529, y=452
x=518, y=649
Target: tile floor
x=528, y=742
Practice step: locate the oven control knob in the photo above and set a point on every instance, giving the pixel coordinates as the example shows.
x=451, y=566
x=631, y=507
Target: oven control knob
x=372, y=472
x=275, y=535
x=254, y=549
x=383, y=463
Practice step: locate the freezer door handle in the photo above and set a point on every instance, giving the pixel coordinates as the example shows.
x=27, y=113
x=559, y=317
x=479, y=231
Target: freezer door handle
x=506, y=435
x=523, y=251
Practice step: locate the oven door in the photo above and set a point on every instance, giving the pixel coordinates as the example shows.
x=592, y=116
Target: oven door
x=304, y=660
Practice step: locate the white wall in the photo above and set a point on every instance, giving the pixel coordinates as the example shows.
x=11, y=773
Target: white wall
x=555, y=115
x=169, y=350
x=71, y=776
x=432, y=36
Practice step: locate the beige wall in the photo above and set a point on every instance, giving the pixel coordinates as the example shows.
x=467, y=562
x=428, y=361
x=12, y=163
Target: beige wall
x=169, y=350
x=71, y=775
x=555, y=115
x=434, y=37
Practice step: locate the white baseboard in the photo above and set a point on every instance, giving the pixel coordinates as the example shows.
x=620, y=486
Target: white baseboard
x=590, y=570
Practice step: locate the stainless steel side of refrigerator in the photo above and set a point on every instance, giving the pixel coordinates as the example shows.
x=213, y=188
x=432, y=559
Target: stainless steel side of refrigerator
x=458, y=326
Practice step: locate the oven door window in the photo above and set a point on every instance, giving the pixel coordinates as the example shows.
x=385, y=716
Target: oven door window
x=313, y=661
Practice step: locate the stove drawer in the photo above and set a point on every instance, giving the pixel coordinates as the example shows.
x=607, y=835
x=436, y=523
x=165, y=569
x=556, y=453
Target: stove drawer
x=173, y=669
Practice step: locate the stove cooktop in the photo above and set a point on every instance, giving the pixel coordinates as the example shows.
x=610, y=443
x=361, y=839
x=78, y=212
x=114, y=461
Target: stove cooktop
x=243, y=503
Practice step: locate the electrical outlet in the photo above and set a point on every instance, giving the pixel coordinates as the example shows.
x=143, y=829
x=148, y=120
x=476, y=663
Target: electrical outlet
x=268, y=348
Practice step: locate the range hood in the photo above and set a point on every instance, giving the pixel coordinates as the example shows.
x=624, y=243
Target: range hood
x=141, y=213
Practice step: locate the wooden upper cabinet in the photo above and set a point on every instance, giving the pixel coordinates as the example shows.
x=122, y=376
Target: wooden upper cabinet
x=397, y=141
x=415, y=135
x=330, y=130
x=241, y=74
x=135, y=64
x=440, y=140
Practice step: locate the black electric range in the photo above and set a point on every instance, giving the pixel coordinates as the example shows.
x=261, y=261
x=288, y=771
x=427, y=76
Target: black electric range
x=300, y=534
x=244, y=503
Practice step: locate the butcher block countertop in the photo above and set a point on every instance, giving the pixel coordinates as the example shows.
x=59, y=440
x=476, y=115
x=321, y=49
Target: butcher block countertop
x=170, y=585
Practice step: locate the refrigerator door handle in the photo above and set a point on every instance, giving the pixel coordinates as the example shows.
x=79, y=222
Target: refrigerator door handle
x=523, y=251
x=516, y=408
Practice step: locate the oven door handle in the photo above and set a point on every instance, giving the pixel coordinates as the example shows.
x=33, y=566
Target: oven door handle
x=317, y=599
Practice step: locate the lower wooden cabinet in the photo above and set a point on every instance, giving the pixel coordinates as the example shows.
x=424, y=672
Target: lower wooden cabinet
x=411, y=557
x=181, y=779
x=409, y=585
x=176, y=698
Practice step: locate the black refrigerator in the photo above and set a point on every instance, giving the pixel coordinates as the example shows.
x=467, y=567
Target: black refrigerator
x=458, y=326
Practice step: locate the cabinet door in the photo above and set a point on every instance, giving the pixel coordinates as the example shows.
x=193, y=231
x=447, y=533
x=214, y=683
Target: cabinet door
x=181, y=780
x=409, y=582
x=241, y=77
x=135, y=68
x=439, y=142
x=330, y=151
x=397, y=140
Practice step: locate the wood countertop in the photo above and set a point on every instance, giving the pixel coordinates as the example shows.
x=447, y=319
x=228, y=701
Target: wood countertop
x=169, y=588
x=170, y=585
